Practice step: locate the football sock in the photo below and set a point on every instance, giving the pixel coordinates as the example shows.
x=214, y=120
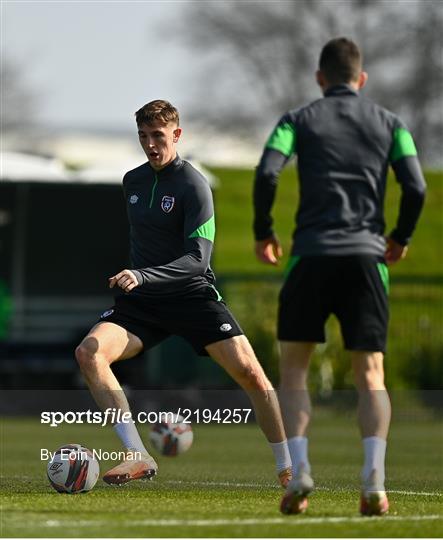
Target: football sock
x=298, y=449
x=129, y=436
x=281, y=455
x=375, y=451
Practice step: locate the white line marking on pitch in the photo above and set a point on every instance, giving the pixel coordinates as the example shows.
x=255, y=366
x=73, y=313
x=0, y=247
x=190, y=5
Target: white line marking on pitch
x=265, y=485
x=424, y=493
x=236, y=522
x=268, y=485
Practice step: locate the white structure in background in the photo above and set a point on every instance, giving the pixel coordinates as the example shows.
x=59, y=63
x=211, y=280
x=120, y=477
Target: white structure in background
x=211, y=148
x=16, y=166
x=19, y=166
x=120, y=150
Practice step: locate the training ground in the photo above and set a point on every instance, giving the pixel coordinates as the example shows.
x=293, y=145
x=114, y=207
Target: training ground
x=225, y=485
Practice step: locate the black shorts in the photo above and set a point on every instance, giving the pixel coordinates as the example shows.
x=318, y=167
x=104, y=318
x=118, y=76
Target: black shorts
x=354, y=288
x=201, y=318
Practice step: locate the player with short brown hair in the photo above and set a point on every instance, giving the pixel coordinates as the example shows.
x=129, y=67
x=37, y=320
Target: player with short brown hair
x=170, y=290
x=344, y=145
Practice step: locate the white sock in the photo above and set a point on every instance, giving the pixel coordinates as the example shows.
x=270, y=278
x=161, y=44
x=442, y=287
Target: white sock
x=375, y=451
x=129, y=436
x=298, y=449
x=281, y=455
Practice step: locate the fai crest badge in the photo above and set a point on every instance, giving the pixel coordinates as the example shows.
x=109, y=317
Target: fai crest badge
x=168, y=203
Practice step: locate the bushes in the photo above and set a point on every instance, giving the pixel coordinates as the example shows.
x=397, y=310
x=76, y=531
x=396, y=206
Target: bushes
x=254, y=305
x=423, y=367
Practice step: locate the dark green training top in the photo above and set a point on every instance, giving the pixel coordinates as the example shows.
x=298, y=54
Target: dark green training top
x=172, y=228
x=344, y=144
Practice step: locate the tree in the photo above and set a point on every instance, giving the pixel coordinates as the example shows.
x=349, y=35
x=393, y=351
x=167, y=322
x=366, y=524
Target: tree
x=264, y=54
x=17, y=100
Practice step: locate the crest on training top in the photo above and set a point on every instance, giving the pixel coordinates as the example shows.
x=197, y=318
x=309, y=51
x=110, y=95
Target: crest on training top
x=168, y=203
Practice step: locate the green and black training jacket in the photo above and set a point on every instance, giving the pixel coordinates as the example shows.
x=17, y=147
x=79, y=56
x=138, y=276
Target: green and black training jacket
x=172, y=229
x=344, y=145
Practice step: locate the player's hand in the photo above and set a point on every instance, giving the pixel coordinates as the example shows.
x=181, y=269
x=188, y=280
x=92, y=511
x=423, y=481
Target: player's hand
x=394, y=251
x=268, y=250
x=125, y=279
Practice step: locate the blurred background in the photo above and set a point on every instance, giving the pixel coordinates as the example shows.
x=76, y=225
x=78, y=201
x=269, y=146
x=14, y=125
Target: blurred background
x=72, y=75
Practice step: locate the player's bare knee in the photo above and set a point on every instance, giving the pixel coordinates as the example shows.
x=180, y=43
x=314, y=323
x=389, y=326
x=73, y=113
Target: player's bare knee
x=83, y=356
x=368, y=370
x=243, y=374
x=251, y=377
x=87, y=357
x=369, y=378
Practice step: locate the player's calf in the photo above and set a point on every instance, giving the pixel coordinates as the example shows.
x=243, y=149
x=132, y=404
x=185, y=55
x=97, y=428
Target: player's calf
x=237, y=357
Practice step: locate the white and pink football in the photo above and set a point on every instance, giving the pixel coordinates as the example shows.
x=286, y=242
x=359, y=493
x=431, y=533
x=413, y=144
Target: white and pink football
x=73, y=469
x=171, y=438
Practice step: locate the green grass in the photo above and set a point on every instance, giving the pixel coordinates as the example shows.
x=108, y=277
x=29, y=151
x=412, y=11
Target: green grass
x=225, y=485
x=234, y=240
x=416, y=294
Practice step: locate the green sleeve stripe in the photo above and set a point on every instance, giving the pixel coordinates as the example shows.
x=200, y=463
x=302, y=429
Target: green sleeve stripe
x=384, y=274
x=5, y=309
x=207, y=230
x=402, y=146
x=219, y=296
x=283, y=139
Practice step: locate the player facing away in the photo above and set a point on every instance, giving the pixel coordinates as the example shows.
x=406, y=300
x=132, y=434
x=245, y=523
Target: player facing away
x=344, y=145
x=170, y=290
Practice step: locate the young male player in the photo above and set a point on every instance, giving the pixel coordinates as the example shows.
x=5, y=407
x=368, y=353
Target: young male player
x=170, y=290
x=344, y=144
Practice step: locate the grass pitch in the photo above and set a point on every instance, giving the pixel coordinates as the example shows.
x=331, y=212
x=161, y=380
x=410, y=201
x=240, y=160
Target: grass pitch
x=225, y=485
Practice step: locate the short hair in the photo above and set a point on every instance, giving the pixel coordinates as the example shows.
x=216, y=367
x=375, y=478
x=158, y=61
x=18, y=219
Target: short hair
x=158, y=110
x=340, y=61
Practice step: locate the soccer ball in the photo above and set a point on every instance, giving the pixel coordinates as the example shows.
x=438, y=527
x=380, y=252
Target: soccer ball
x=73, y=469
x=171, y=438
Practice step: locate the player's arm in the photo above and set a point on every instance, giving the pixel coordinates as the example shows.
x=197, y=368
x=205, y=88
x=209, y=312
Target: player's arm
x=199, y=232
x=280, y=146
x=407, y=170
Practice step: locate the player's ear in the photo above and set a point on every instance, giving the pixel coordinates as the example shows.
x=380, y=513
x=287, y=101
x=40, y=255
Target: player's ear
x=176, y=134
x=362, y=79
x=319, y=78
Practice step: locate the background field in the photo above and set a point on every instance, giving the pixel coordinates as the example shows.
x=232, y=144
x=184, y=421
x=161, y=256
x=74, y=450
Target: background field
x=234, y=240
x=225, y=485
x=415, y=345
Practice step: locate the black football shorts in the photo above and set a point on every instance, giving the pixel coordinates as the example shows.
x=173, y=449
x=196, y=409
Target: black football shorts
x=354, y=288
x=200, y=317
